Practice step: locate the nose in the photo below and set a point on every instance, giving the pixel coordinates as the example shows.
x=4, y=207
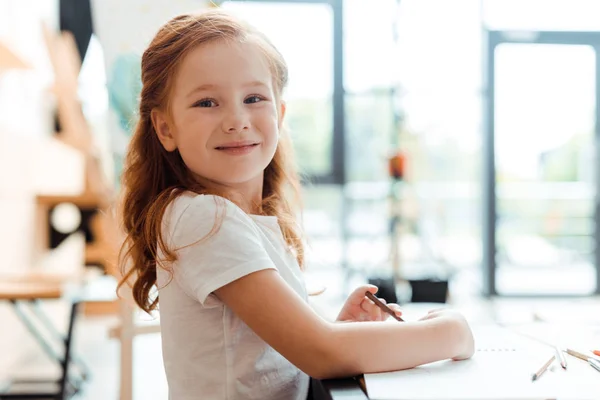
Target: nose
x=236, y=120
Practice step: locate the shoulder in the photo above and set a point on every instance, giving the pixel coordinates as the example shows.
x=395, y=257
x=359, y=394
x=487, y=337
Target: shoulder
x=189, y=204
x=193, y=205
x=198, y=214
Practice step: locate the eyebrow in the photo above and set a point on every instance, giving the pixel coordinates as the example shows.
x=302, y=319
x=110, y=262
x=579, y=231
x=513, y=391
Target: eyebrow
x=210, y=86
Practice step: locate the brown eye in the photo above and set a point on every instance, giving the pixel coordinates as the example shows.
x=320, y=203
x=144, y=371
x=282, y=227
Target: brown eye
x=252, y=99
x=205, y=103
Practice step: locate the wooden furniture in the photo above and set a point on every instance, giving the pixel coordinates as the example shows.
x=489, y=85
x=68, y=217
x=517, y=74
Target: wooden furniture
x=101, y=248
x=97, y=197
x=26, y=293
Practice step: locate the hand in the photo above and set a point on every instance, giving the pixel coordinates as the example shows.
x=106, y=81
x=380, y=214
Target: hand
x=359, y=308
x=466, y=344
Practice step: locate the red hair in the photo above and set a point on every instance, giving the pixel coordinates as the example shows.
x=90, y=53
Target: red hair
x=153, y=177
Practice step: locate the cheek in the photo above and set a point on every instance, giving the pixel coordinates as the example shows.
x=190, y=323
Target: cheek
x=272, y=141
x=192, y=145
x=193, y=132
x=270, y=128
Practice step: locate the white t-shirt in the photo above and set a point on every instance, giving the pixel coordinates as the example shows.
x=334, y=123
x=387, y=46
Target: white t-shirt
x=208, y=352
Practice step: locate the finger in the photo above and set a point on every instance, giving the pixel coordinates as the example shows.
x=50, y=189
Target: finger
x=430, y=315
x=371, y=309
x=395, y=308
x=366, y=305
x=315, y=291
x=436, y=310
x=379, y=314
x=358, y=294
x=363, y=314
x=382, y=316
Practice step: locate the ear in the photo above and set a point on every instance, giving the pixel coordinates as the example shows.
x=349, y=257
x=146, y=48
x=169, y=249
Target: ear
x=282, y=108
x=163, y=130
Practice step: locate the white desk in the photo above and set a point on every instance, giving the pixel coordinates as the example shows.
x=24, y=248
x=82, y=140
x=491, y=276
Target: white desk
x=571, y=322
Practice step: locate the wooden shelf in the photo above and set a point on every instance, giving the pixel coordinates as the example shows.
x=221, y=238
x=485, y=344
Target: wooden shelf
x=84, y=200
x=29, y=291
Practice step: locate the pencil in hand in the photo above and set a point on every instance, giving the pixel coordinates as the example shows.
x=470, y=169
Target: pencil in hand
x=383, y=307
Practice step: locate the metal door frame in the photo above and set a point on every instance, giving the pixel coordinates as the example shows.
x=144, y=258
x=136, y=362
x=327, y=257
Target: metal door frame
x=337, y=173
x=493, y=38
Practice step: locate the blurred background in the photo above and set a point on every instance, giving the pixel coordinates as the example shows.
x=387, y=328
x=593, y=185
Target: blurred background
x=448, y=149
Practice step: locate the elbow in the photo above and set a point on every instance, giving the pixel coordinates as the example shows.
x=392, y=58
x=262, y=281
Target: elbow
x=329, y=369
x=331, y=358
x=318, y=373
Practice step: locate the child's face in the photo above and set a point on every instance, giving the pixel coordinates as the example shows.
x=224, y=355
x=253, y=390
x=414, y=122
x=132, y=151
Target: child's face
x=225, y=117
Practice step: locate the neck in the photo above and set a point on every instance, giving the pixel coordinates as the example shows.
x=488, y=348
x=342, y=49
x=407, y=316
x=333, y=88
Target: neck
x=247, y=195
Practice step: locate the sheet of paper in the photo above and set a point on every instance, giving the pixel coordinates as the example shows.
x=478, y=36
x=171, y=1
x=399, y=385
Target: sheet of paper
x=500, y=369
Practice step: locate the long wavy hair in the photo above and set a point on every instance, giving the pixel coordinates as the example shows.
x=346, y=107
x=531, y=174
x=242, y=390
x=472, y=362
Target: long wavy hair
x=153, y=177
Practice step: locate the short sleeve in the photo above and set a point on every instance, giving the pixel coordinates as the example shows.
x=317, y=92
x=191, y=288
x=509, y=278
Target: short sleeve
x=216, y=243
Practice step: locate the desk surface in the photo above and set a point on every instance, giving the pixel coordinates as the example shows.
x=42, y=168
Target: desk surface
x=579, y=337
x=344, y=389
x=545, y=320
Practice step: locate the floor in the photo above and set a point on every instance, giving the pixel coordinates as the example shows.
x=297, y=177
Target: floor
x=101, y=353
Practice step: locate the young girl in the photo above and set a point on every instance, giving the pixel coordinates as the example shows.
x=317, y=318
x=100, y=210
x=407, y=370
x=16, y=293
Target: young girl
x=209, y=221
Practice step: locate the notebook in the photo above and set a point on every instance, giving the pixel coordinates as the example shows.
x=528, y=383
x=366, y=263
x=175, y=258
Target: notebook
x=501, y=368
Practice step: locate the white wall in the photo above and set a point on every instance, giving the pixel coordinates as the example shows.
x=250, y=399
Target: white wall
x=29, y=157
x=138, y=21
x=32, y=161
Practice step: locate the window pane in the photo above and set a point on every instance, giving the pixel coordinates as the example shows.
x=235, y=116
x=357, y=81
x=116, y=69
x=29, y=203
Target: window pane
x=369, y=46
x=369, y=131
x=439, y=95
x=309, y=94
x=440, y=46
x=545, y=116
x=551, y=15
x=442, y=137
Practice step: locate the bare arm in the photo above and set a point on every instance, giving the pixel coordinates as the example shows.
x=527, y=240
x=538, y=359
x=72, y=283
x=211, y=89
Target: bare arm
x=326, y=350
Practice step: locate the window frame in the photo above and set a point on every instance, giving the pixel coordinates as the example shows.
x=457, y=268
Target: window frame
x=337, y=173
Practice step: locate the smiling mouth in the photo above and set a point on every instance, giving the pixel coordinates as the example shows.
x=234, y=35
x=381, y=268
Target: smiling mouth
x=241, y=146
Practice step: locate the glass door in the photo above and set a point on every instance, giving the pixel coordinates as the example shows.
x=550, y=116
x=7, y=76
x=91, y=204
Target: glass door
x=544, y=141
x=542, y=198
